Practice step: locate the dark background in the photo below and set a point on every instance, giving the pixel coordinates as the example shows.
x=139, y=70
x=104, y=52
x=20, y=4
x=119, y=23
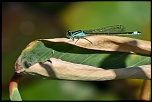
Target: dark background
x=23, y=22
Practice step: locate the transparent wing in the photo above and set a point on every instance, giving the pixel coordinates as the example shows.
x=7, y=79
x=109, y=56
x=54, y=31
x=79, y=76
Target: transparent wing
x=109, y=29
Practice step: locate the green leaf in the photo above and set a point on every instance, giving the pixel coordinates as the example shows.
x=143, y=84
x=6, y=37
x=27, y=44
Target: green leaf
x=13, y=88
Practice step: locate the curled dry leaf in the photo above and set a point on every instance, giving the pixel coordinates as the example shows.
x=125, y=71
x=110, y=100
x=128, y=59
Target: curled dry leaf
x=58, y=69
x=88, y=55
x=106, y=58
x=85, y=53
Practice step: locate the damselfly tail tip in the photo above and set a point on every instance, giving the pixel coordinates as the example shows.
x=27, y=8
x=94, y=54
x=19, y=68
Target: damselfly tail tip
x=136, y=32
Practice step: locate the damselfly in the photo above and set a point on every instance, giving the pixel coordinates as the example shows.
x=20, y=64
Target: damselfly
x=111, y=30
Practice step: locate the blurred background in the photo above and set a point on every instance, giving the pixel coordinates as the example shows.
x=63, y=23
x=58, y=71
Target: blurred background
x=23, y=22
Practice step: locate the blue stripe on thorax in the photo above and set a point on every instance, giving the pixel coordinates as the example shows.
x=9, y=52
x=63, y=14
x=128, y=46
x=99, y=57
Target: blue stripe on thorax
x=79, y=34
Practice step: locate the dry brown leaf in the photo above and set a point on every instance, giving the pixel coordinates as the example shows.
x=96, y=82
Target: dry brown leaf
x=58, y=69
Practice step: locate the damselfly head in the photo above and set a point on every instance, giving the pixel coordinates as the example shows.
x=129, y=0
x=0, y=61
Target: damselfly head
x=69, y=34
